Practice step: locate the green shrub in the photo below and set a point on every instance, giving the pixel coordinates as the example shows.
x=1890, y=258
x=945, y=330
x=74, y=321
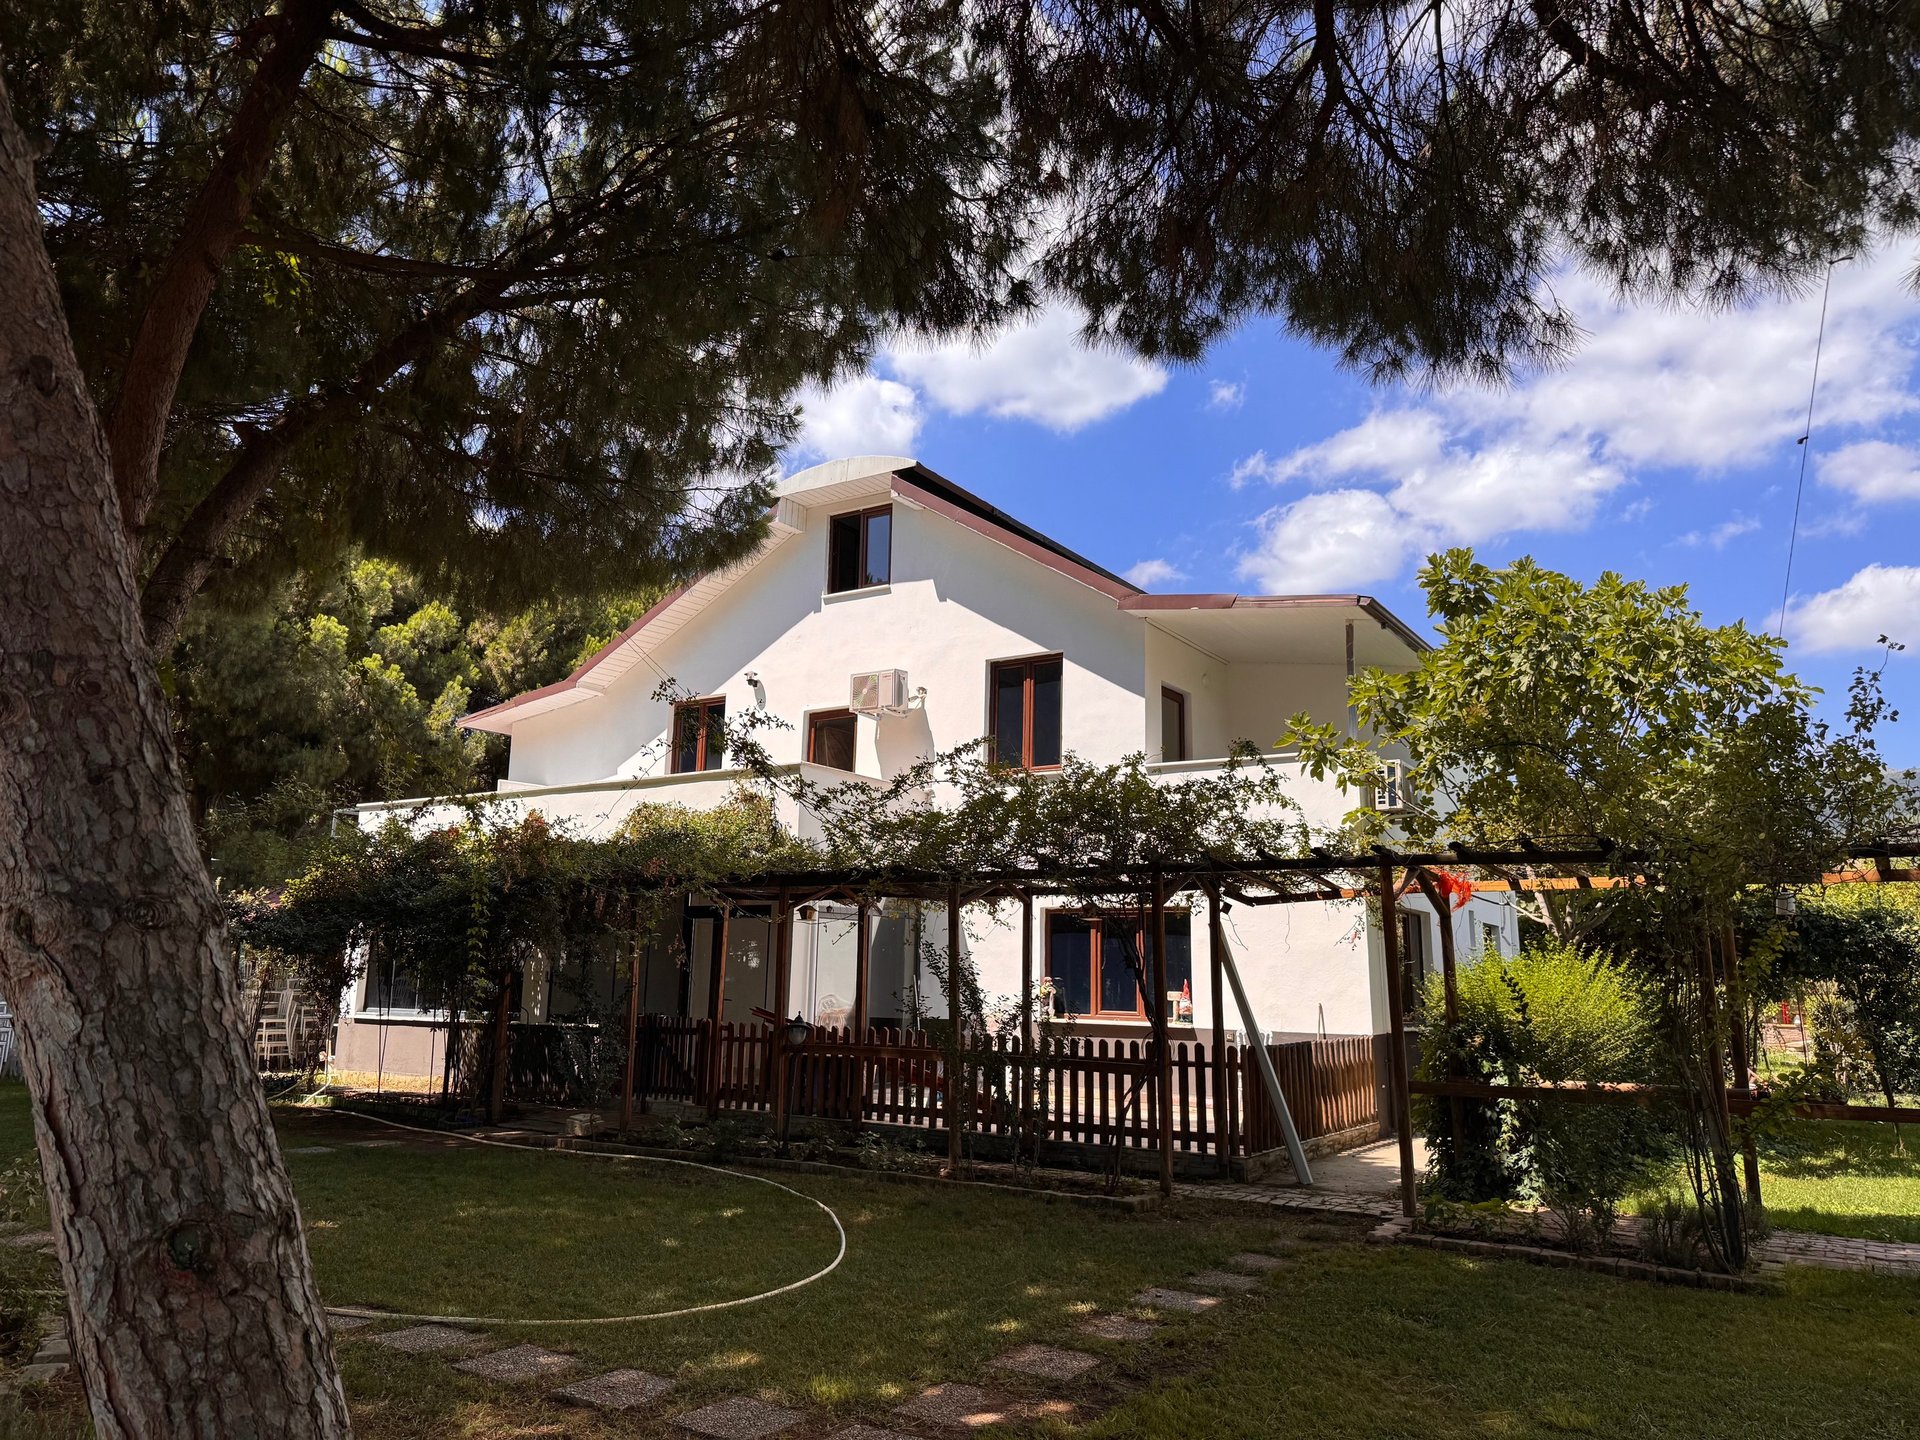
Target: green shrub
x=1552, y=1014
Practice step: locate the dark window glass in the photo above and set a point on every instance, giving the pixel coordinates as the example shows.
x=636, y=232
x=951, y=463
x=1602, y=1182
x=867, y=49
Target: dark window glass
x=877, y=562
x=1180, y=962
x=830, y=740
x=843, y=554
x=1413, y=961
x=1173, y=725
x=1046, y=713
x=859, y=550
x=699, y=736
x=1119, y=954
x=1070, y=965
x=1010, y=714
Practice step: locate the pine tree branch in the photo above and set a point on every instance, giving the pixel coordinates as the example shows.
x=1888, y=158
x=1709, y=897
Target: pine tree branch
x=137, y=424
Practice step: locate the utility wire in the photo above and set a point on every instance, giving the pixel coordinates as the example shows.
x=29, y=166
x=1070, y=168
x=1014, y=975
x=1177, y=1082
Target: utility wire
x=1806, y=442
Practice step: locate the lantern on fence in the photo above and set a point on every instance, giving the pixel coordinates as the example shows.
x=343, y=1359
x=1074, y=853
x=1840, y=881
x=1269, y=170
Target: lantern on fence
x=1785, y=903
x=798, y=1032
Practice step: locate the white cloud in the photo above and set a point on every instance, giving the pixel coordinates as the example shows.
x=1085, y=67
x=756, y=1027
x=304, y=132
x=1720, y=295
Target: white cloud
x=866, y=415
x=1225, y=394
x=1656, y=387
x=1149, y=573
x=1879, y=600
x=1040, y=370
x=1873, y=470
x=1328, y=540
x=1721, y=535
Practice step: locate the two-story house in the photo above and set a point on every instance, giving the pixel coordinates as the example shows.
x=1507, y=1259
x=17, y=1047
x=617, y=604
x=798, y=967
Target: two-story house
x=890, y=615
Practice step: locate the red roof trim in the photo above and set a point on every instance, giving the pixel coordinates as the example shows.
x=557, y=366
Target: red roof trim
x=1019, y=544
x=581, y=671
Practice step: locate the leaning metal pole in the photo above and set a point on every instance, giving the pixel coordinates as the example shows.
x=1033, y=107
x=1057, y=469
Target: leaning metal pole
x=1295, y=1151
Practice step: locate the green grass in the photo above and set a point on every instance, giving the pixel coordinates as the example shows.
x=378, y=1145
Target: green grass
x=1843, y=1179
x=1367, y=1343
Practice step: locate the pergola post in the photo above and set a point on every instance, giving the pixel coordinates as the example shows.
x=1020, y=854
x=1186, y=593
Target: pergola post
x=716, y=989
x=1397, y=1078
x=782, y=983
x=862, y=958
x=633, y=1031
x=957, y=1062
x=1162, y=1038
x=1222, y=1104
x=1028, y=1040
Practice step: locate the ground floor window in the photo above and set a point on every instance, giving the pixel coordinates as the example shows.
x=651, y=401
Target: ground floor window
x=1100, y=963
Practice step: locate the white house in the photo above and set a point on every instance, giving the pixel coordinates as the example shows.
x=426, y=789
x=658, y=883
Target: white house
x=876, y=565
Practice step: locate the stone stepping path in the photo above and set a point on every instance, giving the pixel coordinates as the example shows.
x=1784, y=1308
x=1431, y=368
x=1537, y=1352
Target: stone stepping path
x=958, y=1407
x=306, y=1150
x=518, y=1364
x=419, y=1339
x=1047, y=1361
x=740, y=1418
x=1185, y=1302
x=373, y=1144
x=1257, y=1262
x=337, y=1323
x=1118, y=1327
x=1222, y=1280
x=617, y=1390
x=869, y=1432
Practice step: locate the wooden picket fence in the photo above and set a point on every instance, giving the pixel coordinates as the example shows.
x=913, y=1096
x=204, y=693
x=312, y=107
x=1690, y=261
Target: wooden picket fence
x=1071, y=1089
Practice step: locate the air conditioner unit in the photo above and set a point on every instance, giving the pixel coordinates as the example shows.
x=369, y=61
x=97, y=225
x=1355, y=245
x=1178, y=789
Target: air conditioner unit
x=877, y=692
x=1389, y=795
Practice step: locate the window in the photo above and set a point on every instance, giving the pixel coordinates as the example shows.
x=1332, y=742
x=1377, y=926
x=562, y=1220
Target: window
x=1097, y=963
x=860, y=549
x=1023, y=712
x=1173, y=724
x=699, y=736
x=392, y=989
x=830, y=737
x=1489, y=939
x=1413, y=962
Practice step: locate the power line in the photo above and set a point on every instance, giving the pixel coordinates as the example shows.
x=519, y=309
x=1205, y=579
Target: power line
x=1806, y=442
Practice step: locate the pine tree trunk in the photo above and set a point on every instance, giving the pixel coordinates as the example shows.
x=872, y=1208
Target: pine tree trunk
x=194, y=1312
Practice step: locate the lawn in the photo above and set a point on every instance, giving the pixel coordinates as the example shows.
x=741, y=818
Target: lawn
x=1346, y=1340
x=1843, y=1179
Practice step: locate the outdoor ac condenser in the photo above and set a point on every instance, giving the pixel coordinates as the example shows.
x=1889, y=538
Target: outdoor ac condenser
x=1388, y=797
x=878, y=692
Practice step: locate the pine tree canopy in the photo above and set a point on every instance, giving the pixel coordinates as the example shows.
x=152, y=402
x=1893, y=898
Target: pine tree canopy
x=518, y=293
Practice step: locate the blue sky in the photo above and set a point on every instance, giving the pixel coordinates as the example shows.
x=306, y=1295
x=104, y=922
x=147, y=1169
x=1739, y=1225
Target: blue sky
x=1664, y=448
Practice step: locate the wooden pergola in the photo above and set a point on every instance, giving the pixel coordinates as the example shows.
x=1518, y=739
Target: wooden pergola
x=1258, y=879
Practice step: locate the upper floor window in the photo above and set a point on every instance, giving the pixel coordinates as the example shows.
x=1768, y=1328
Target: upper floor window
x=1023, y=712
x=699, y=736
x=830, y=738
x=860, y=549
x=1101, y=963
x=1173, y=725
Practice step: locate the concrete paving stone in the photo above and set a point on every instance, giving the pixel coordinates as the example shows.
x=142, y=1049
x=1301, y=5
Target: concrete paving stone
x=1118, y=1327
x=1222, y=1280
x=306, y=1150
x=1047, y=1361
x=1255, y=1261
x=1160, y=1298
x=372, y=1144
x=959, y=1407
x=418, y=1339
x=869, y=1432
x=741, y=1418
x=347, y=1322
x=38, y=1374
x=518, y=1363
x=617, y=1390
x=31, y=1240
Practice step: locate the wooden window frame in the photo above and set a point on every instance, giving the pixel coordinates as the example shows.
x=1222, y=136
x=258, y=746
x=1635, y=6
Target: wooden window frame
x=1026, y=662
x=814, y=716
x=700, y=766
x=860, y=565
x=1185, y=746
x=1142, y=920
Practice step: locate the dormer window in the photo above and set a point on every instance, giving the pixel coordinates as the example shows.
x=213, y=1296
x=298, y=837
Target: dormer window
x=860, y=549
